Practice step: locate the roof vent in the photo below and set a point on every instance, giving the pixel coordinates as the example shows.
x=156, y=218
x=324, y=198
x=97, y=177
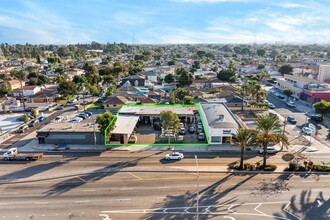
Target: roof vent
x=221, y=117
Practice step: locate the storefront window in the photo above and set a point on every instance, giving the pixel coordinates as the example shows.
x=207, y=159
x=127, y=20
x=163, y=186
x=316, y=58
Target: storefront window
x=216, y=139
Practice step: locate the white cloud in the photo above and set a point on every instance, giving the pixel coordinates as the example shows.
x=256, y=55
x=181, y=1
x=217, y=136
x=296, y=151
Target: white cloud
x=291, y=5
x=210, y=1
x=40, y=25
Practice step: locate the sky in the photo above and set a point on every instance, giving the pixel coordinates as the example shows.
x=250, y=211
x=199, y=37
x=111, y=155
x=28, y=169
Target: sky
x=164, y=21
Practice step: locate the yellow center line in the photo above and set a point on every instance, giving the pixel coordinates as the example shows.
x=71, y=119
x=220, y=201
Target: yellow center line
x=135, y=176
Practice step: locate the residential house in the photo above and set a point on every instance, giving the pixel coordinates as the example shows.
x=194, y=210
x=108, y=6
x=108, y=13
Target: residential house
x=15, y=84
x=148, y=101
x=133, y=80
x=46, y=95
x=27, y=91
x=113, y=104
x=73, y=72
x=150, y=75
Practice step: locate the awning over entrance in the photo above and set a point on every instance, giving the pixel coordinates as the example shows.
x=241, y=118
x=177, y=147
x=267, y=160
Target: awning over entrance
x=125, y=124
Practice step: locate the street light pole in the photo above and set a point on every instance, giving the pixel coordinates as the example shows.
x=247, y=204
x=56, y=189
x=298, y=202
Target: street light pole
x=197, y=199
x=285, y=121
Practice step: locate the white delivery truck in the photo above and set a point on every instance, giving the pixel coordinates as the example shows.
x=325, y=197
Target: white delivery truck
x=13, y=154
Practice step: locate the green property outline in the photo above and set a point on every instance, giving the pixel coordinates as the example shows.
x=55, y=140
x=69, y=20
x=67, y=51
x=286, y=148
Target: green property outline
x=155, y=144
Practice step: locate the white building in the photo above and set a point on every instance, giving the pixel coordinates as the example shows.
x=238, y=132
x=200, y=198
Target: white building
x=219, y=122
x=324, y=73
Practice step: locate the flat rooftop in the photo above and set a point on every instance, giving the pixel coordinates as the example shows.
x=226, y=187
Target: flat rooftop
x=125, y=124
x=156, y=110
x=218, y=116
x=65, y=126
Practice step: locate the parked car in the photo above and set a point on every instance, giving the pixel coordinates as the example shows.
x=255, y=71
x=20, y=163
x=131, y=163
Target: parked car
x=76, y=120
x=291, y=119
x=281, y=96
x=60, y=107
x=84, y=103
x=291, y=104
x=307, y=131
x=42, y=118
x=78, y=97
x=33, y=123
x=266, y=101
x=58, y=119
x=270, y=150
x=174, y=156
x=317, y=117
x=132, y=139
x=72, y=101
x=83, y=116
x=22, y=129
x=182, y=131
x=181, y=125
x=191, y=129
x=88, y=113
x=201, y=136
x=271, y=106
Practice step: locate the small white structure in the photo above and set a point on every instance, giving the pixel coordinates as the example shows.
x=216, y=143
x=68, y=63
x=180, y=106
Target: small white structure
x=218, y=121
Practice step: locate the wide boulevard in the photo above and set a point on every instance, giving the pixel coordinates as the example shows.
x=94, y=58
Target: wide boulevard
x=127, y=185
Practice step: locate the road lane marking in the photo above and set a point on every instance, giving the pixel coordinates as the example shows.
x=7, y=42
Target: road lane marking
x=229, y=217
x=123, y=199
x=164, y=187
x=256, y=209
x=11, y=193
x=89, y=190
x=135, y=176
x=40, y=203
x=81, y=179
x=287, y=205
x=3, y=203
x=83, y=201
x=242, y=193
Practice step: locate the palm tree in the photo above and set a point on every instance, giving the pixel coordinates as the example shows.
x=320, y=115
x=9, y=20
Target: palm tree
x=269, y=132
x=243, y=138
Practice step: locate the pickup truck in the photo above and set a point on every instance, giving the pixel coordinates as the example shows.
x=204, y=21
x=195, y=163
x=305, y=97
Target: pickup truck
x=13, y=154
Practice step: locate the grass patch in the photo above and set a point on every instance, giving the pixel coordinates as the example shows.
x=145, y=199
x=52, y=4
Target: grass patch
x=321, y=168
x=95, y=105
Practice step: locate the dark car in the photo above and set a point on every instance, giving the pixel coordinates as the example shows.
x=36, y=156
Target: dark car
x=317, y=117
x=60, y=107
x=292, y=120
x=22, y=129
x=281, y=96
x=83, y=116
x=191, y=129
x=34, y=123
x=42, y=118
x=88, y=113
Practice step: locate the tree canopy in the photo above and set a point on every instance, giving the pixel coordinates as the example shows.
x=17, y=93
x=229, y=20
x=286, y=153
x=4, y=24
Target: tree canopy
x=170, y=120
x=322, y=107
x=286, y=69
x=104, y=121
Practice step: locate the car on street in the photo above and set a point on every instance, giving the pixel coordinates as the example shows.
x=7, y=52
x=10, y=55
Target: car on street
x=281, y=96
x=191, y=129
x=76, y=120
x=33, y=123
x=291, y=104
x=174, y=156
x=22, y=129
x=88, y=113
x=270, y=150
x=317, y=117
x=42, y=118
x=72, y=101
x=84, y=103
x=60, y=107
x=82, y=115
x=292, y=120
x=58, y=119
x=307, y=130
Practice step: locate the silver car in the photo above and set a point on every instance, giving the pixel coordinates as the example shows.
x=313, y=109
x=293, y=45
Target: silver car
x=174, y=156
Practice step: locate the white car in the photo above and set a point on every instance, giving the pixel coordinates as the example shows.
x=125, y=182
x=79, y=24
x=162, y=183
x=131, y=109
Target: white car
x=174, y=156
x=307, y=130
x=291, y=104
x=76, y=120
x=58, y=119
x=270, y=150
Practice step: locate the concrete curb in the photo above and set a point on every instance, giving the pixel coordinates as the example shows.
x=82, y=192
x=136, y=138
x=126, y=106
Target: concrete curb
x=175, y=171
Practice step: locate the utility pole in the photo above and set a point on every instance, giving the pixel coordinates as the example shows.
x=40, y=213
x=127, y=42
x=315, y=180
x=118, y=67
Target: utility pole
x=94, y=133
x=21, y=81
x=285, y=121
x=197, y=199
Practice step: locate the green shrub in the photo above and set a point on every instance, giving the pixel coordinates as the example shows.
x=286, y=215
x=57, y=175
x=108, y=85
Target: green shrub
x=237, y=167
x=270, y=167
x=247, y=166
x=321, y=168
x=292, y=167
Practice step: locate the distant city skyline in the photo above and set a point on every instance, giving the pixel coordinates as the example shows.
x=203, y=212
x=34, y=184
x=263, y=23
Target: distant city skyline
x=164, y=21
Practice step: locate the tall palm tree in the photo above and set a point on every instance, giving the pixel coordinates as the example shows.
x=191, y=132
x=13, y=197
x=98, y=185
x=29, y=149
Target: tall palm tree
x=244, y=138
x=269, y=132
